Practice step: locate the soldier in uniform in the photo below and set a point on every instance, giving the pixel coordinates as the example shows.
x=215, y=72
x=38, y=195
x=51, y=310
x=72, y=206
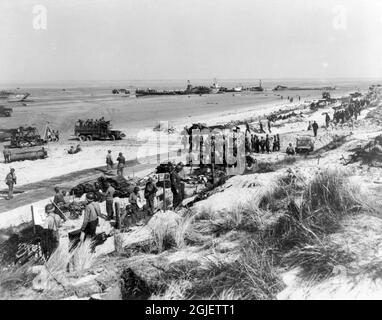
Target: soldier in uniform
x=10, y=181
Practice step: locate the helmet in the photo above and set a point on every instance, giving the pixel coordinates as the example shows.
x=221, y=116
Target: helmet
x=49, y=207
x=90, y=196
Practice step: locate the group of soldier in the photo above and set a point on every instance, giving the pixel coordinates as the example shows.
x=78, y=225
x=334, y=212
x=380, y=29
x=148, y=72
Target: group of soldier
x=352, y=109
x=94, y=123
x=256, y=144
x=120, y=166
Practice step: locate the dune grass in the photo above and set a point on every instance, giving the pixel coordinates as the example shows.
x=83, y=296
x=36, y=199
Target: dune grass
x=311, y=211
x=317, y=262
x=249, y=275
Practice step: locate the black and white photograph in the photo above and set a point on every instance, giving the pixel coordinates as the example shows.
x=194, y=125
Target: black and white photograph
x=191, y=150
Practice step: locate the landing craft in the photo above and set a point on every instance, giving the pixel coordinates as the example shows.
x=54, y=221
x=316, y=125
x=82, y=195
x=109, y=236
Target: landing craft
x=215, y=88
x=19, y=97
x=259, y=88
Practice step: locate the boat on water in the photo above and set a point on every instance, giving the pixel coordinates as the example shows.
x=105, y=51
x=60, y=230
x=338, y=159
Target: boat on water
x=258, y=88
x=18, y=97
x=190, y=89
x=215, y=88
x=235, y=89
x=281, y=88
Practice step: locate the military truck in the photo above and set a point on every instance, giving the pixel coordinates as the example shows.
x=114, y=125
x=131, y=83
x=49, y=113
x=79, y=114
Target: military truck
x=5, y=112
x=304, y=144
x=96, y=130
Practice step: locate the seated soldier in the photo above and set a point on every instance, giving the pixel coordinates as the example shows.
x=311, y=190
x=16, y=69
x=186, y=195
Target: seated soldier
x=290, y=150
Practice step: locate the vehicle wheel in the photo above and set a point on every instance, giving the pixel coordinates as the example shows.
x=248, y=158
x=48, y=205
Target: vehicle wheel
x=112, y=137
x=82, y=138
x=89, y=138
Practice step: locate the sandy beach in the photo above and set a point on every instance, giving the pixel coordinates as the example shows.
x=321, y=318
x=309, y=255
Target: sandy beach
x=136, y=117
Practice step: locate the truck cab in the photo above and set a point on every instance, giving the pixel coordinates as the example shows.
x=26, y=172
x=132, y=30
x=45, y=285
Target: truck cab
x=5, y=112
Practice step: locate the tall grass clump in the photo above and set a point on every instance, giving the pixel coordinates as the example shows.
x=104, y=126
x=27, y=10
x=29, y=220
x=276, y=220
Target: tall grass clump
x=249, y=275
x=83, y=257
x=317, y=262
x=170, y=230
x=310, y=212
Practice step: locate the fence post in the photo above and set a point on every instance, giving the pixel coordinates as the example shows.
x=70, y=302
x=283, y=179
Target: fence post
x=33, y=222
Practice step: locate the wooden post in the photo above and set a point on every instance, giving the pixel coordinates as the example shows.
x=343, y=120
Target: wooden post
x=164, y=194
x=33, y=222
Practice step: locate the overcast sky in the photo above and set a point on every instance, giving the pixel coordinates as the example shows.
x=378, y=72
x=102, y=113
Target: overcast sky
x=190, y=39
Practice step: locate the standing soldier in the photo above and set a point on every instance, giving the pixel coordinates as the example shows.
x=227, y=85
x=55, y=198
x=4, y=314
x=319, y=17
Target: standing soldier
x=274, y=147
x=327, y=120
x=315, y=128
x=58, y=202
x=262, y=144
x=269, y=126
x=121, y=164
x=309, y=126
x=150, y=192
x=134, y=198
x=91, y=214
x=10, y=180
x=261, y=127
x=51, y=234
x=109, y=194
x=109, y=162
x=7, y=155
x=176, y=187
x=267, y=144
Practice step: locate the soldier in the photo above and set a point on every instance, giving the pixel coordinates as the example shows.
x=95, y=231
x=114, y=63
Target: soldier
x=121, y=164
x=309, y=126
x=261, y=127
x=262, y=145
x=176, y=187
x=10, y=181
x=267, y=144
x=91, y=214
x=109, y=194
x=327, y=119
x=51, y=233
x=290, y=150
x=109, y=161
x=58, y=201
x=133, y=200
x=315, y=128
x=257, y=144
x=274, y=148
x=7, y=155
x=150, y=192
